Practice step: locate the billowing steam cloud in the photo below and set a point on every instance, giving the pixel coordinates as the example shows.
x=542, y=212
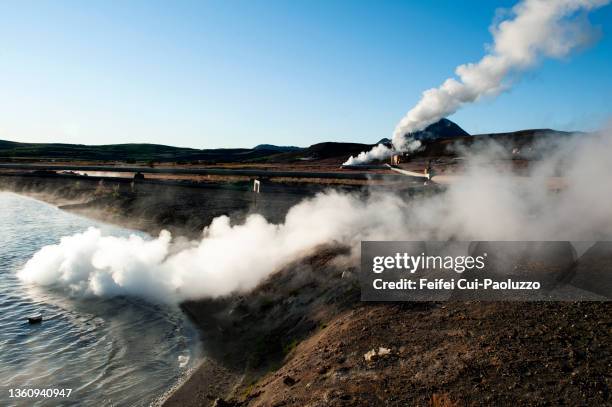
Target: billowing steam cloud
x=486, y=203
x=380, y=152
x=536, y=29
x=227, y=258
x=540, y=28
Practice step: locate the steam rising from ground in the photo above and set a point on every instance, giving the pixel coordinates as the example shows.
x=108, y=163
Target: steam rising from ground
x=536, y=29
x=381, y=152
x=488, y=203
x=378, y=152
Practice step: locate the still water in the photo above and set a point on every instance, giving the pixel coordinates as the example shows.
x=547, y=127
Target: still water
x=108, y=351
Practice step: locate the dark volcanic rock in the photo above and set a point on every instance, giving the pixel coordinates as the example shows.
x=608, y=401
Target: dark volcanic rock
x=289, y=381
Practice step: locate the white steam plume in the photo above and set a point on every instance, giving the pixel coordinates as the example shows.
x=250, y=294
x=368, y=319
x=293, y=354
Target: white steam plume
x=487, y=203
x=227, y=258
x=536, y=29
x=380, y=152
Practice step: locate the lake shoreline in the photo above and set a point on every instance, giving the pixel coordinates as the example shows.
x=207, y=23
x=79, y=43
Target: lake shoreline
x=98, y=336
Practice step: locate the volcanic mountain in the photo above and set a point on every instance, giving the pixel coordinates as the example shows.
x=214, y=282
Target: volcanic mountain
x=442, y=129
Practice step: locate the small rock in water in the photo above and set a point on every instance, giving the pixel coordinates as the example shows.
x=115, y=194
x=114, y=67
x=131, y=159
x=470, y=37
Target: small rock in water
x=34, y=319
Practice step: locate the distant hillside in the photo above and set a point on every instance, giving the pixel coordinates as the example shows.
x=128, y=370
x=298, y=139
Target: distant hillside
x=135, y=152
x=80, y=151
x=330, y=152
x=438, y=139
x=281, y=149
x=534, y=140
x=524, y=135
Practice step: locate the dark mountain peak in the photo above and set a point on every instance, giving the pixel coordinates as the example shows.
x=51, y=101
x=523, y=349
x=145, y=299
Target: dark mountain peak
x=442, y=129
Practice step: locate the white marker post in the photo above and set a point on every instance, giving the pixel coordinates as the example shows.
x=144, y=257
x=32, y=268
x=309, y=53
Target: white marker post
x=256, y=187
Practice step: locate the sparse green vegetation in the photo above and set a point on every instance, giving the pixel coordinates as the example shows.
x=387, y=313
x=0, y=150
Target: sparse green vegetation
x=290, y=346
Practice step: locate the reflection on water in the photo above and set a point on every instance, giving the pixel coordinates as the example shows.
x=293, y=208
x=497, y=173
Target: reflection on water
x=109, y=351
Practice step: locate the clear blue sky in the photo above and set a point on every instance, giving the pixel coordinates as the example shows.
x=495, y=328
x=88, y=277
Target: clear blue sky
x=238, y=73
